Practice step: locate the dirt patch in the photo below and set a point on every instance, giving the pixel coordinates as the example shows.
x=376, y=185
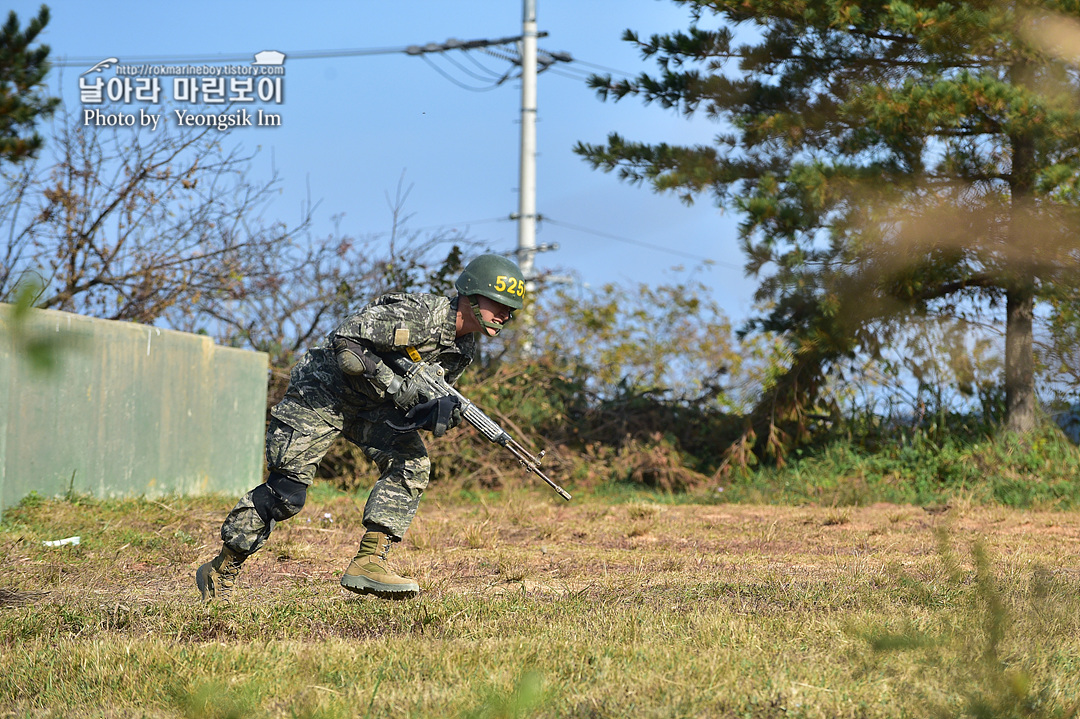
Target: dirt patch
x=536, y=545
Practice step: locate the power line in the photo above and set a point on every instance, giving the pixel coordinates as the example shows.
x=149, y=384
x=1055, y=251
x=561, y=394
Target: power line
x=467, y=71
x=451, y=44
x=602, y=67
x=491, y=73
x=66, y=61
x=485, y=45
x=422, y=50
x=569, y=75
x=575, y=70
x=639, y=243
x=491, y=47
x=454, y=80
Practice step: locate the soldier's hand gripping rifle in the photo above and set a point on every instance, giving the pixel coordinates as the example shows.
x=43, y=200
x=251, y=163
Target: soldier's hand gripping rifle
x=426, y=382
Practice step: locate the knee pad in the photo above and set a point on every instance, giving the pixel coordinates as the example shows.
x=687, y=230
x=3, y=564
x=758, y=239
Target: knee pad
x=279, y=497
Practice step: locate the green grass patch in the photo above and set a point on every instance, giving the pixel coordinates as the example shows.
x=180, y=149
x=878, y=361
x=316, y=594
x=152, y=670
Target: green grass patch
x=1039, y=471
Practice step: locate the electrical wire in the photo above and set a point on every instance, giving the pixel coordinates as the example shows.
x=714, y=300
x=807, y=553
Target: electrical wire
x=577, y=71
x=505, y=56
x=602, y=67
x=454, y=80
x=498, y=80
x=65, y=61
x=578, y=78
x=639, y=243
x=482, y=66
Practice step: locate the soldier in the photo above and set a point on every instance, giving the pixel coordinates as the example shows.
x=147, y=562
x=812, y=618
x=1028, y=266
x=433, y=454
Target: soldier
x=343, y=387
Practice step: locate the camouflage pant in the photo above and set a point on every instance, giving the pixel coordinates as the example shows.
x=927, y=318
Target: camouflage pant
x=296, y=441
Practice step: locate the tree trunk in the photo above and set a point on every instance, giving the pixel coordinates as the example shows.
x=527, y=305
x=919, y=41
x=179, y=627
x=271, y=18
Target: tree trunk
x=1020, y=289
x=1019, y=359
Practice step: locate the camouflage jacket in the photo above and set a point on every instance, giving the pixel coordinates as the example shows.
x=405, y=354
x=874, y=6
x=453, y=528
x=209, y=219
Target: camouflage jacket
x=389, y=324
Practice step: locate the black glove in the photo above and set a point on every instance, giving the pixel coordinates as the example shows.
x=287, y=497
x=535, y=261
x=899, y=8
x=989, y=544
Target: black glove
x=455, y=415
x=437, y=415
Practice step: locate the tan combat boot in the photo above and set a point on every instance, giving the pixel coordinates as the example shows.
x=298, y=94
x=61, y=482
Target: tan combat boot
x=217, y=577
x=368, y=573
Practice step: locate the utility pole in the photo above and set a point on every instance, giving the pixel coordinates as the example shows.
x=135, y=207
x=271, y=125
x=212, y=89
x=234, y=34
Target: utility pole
x=532, y=63
x=526, y=248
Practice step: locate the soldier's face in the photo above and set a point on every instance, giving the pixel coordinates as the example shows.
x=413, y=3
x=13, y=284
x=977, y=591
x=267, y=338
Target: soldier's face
x=493, y=311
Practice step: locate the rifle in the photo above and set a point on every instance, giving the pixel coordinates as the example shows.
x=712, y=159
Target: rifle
x=431, y=377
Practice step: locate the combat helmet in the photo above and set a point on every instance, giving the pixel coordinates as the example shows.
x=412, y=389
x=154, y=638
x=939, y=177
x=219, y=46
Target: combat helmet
x=496, y=278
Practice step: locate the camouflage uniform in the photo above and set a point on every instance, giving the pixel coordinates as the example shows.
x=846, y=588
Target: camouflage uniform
x=323, y=402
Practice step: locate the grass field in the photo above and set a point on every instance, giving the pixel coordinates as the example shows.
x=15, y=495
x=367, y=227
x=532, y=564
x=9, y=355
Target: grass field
x=535, y=607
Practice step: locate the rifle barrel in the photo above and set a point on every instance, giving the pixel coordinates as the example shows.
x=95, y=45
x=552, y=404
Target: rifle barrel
x=532, y=464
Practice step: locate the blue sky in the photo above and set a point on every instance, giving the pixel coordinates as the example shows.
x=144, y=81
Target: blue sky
x=352, y=125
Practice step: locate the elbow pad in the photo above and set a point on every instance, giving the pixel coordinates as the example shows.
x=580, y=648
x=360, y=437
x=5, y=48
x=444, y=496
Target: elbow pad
x=352, y=357
x=355, y=360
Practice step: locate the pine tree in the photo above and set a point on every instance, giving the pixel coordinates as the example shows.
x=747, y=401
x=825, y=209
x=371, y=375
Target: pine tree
x=889, y=159
x=22, y=72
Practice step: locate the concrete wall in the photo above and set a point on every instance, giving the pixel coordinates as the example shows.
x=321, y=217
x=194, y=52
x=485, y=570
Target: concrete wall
x=129, y=410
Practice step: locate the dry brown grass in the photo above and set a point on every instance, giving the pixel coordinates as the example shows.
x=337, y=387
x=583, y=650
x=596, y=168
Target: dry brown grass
x=642, y=609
